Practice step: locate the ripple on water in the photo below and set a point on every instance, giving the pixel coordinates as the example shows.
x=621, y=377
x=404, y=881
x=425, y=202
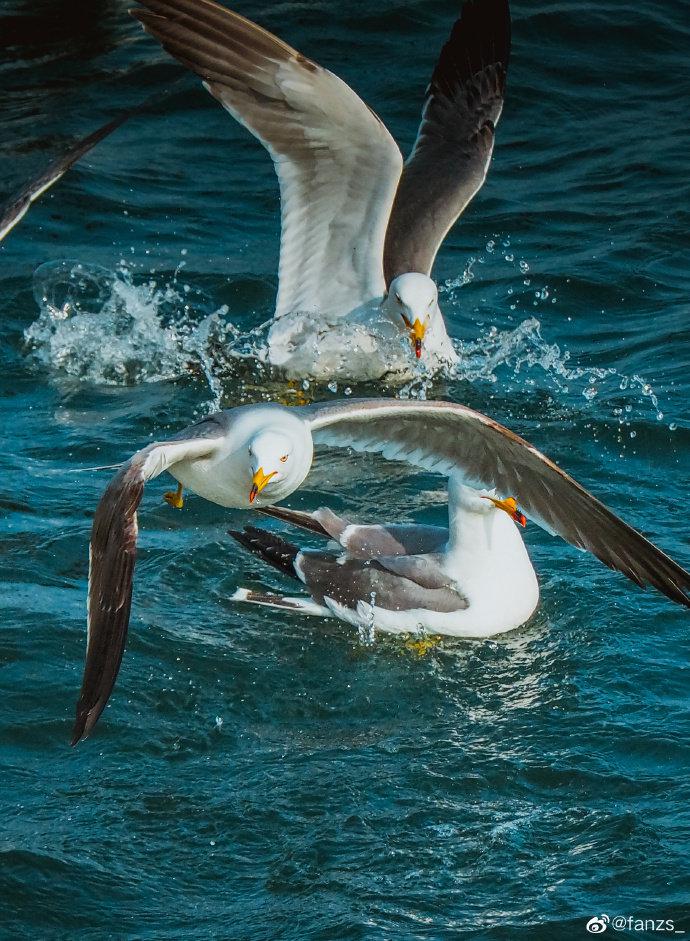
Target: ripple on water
x=262, y=776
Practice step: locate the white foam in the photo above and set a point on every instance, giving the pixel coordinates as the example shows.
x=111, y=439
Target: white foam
x=104, y=327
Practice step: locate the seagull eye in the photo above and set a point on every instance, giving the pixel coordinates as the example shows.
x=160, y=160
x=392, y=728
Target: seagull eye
x=283, y=458
x=398, y=298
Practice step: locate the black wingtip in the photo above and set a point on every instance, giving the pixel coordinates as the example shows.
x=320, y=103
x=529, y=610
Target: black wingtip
x=78, y=731
x=480, y=39
x=267, y=546
x=85, y=720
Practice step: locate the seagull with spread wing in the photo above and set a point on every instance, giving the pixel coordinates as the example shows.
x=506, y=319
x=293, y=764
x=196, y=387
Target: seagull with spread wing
x=360, y=229
x=473, y=578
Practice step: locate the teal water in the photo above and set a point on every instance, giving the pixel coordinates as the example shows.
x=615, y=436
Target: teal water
x=259, y=775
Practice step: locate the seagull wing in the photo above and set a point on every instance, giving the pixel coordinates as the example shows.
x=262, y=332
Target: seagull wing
x=451, y=439
x=451, y=156
x=337, y=165
x=18, y=205
x=364, y=541
x=111, y=563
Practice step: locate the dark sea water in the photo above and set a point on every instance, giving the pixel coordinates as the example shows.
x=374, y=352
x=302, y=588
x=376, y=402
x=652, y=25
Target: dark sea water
x=259, y=775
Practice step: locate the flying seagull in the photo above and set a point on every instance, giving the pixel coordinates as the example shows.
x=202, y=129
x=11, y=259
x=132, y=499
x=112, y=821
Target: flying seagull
x=360, y=229
x=256, y=455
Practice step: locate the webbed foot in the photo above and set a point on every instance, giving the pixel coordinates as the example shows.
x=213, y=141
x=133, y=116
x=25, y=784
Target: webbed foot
x=422, y=645
x=174, y=498
x=295, y=394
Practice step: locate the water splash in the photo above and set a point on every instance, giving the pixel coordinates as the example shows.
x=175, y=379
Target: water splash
x=100, y=326
x=520, y=356
x=366, y=630
x=104, y=327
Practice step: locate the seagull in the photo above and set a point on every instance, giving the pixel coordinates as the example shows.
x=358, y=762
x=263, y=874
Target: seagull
x=360, y=229
x=471, y=579
x=253, y=456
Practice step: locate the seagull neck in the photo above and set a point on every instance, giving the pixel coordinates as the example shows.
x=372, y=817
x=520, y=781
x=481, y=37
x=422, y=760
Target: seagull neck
x=469, y=529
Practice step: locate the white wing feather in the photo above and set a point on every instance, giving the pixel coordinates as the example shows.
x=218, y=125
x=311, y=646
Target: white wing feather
x=337, y=165
x=452, y=439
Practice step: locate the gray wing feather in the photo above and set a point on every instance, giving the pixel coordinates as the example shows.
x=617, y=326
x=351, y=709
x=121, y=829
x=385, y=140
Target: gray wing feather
x=111, y=564
x=308, y=521
x=452, y=439
x=364, y=542
x=353, y=580
x=18, y=205
x=337, y=165
x=424, y=570
x=394, y=539
x=451, y=156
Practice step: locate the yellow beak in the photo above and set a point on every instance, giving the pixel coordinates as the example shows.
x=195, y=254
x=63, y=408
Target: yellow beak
x=417, y=336
x=259, y=481
x=510, y=507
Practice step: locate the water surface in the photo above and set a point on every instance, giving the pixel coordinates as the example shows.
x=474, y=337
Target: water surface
x=260, y=775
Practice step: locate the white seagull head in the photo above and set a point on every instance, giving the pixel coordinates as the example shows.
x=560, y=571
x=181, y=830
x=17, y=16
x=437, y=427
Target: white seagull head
x=482, y=502
x=279, y=454
x=412, y=305
x=278, y=464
